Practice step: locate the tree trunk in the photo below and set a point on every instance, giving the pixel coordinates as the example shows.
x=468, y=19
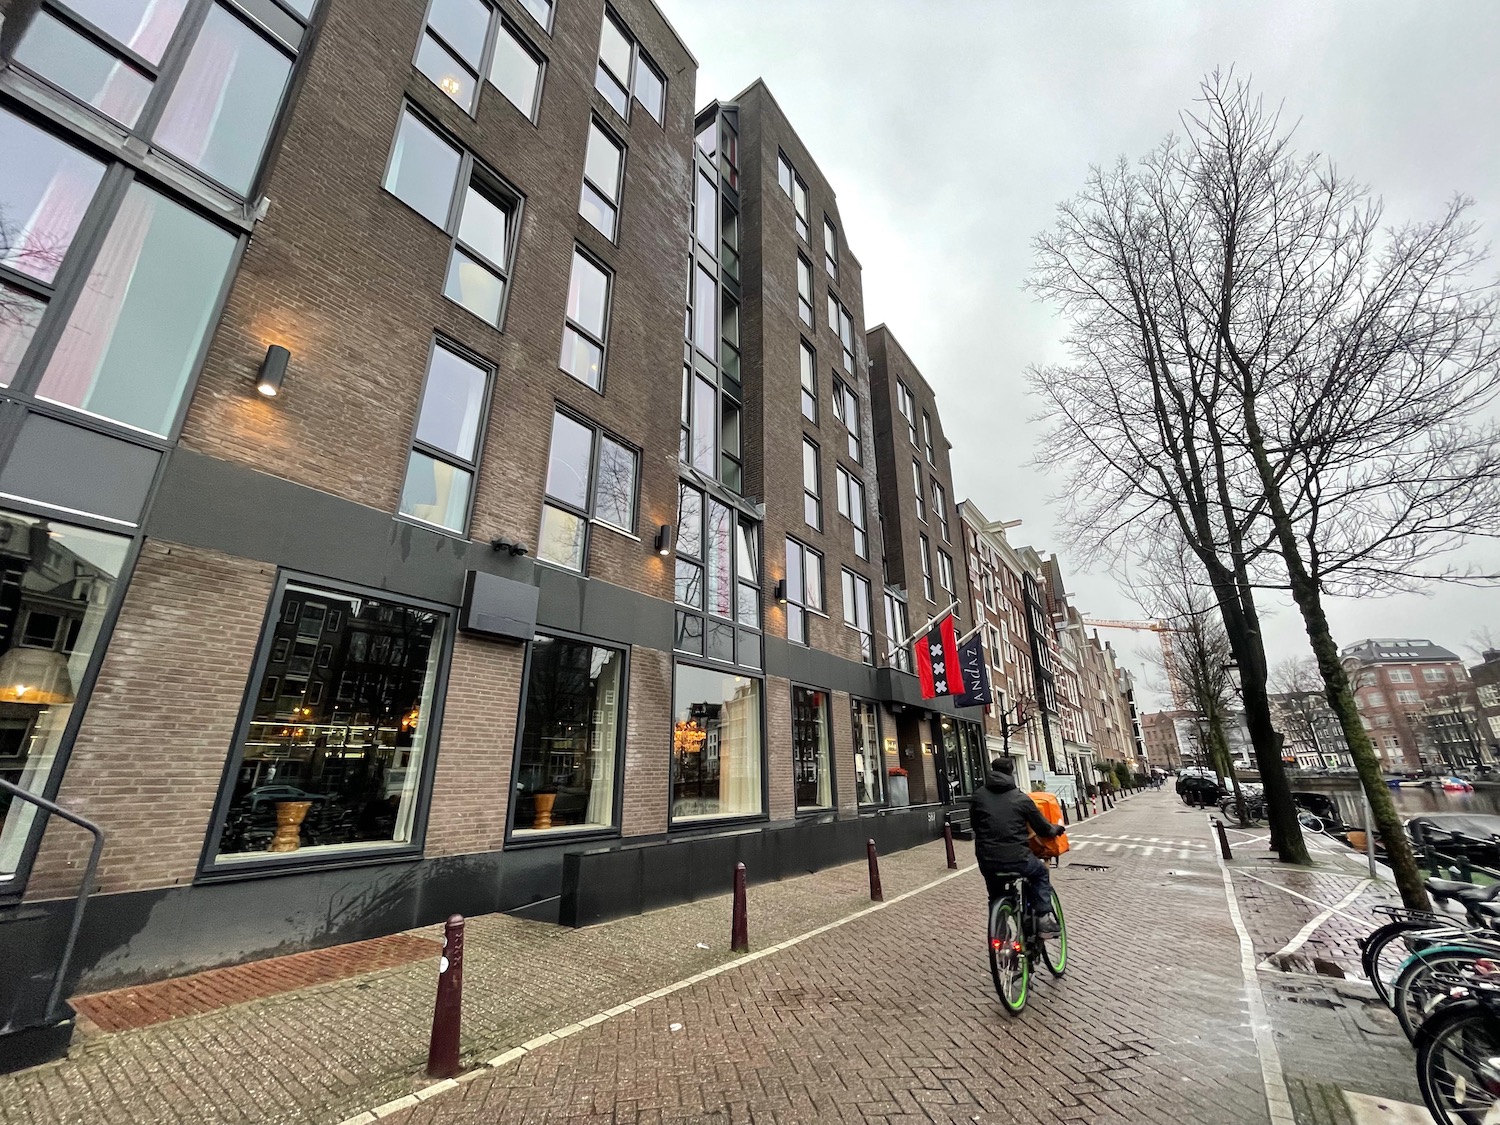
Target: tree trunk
x=1220, y=744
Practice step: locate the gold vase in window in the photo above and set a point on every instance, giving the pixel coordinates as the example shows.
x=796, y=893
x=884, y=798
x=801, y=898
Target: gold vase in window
x=289, y=818
x=544, y=803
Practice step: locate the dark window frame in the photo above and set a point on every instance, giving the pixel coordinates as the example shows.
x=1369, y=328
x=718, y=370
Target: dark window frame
x=617, y=204
x=509, y=26
x=821, y=609
x=846, y=482
x=568, y=322
x=814, y=494
x=804, y=300
x=830, y=257
x=809, y=395
x=234, y=871
x=917, y=487
x=736, y=579
x=439, y=340
x=638, y=57
x=800, y=810
x=599, y=433
x=867, y=637
x=929, y=589
x=875, y=709
x=718, y=823
x=617, y=804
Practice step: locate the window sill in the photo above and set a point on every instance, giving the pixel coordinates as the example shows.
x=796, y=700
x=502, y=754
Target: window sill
x=620, y=531
x=522, y=839
x=295, y=863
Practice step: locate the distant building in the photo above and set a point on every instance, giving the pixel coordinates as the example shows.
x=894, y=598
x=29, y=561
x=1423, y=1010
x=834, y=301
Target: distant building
x=1159, y=734
x=1395, y=682
x=1486, y=680
x=1310, y=730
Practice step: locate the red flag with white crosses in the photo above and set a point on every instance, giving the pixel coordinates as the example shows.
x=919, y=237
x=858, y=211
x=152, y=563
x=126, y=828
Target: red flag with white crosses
x=936, y=653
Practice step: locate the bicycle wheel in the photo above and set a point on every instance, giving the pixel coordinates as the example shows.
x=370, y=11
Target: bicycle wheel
x=1426, y=980
x=1055, y=946
x=1386, y=950
x=1009, y=964
x=1455, y=1070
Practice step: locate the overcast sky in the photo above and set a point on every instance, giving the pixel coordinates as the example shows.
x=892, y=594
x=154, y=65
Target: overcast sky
x=951, y=130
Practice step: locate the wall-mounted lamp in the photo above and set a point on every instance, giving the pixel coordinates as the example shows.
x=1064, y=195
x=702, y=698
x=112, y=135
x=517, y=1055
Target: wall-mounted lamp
x=664, y=539
x=272, y=371
x=507, y=545
x=781, y=590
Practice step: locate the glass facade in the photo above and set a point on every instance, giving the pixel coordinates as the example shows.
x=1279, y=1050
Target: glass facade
x=332, y=755
x=57, y=582
x=716, y=745
x=812, y=767
x=566, y=767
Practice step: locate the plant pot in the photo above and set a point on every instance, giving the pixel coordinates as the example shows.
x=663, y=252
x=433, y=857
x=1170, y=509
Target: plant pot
x=289, y=818
x=898, y=791
x=543, y=803
x=1356, y=838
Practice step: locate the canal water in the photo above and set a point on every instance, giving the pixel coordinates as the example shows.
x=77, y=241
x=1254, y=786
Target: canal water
x=1409, y=802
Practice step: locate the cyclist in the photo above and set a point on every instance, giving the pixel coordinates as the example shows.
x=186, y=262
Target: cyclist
x=1000, y=816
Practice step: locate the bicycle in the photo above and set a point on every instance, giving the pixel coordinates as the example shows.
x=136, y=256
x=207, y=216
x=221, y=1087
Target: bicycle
x=1385, y=951
x=1014, y=942
x=1457, y=1055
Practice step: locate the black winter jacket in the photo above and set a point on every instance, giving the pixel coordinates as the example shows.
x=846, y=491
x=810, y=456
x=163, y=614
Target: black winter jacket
x=1000, y=816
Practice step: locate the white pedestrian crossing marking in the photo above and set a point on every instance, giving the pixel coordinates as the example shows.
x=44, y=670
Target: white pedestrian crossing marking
x=1145, y=845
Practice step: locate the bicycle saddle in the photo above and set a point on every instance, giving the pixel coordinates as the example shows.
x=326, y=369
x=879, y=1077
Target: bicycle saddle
x=1464, y=892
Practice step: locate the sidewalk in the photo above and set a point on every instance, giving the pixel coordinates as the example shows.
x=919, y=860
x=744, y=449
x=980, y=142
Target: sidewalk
x=322, y=1053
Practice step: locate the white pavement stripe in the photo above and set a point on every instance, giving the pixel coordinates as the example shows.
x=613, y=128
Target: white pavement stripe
x=1383, y=1111
x=1308, y=930
x=1111, y=847
x=1321, y=905
x=388, y=1108
x=1277, y=1100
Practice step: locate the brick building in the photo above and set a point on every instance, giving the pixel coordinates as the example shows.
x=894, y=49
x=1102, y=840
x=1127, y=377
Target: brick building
x=1486, y=678
x=1395, y=681
x=1159, y=736
x=351, y=577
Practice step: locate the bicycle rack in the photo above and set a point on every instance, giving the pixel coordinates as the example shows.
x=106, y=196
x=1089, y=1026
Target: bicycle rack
x=54, y=999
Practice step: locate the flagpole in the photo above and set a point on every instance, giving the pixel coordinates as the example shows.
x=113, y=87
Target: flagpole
x=906, y=640
x=970, y=633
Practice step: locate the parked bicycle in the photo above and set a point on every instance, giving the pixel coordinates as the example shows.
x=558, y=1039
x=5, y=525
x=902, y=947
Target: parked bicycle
x=1015, y=944
x=1458, y=1058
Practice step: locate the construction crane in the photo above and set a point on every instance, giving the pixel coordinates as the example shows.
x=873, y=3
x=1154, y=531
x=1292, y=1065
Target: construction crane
x=1168, y=662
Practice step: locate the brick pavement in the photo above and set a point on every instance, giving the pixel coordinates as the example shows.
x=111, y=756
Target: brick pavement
x=892, y=1019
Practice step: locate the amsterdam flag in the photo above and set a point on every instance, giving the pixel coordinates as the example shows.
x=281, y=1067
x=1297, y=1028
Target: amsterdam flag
x=976, y=677
x=936, y=653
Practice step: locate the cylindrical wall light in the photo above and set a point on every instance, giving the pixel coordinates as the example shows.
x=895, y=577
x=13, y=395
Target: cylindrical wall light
x=272, y=371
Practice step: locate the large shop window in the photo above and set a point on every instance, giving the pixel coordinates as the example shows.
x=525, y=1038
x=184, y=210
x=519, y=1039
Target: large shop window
x=565, y=772
x=716, y=745
x=221, y=102
x=869, y=759
x=811, y=764
x=717, y=581
x=56, y=585
x=153, y=277
x=332, y=757
x=591, y=478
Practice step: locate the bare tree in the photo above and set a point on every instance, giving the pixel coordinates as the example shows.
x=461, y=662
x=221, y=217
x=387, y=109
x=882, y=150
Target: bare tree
x=1481, y=641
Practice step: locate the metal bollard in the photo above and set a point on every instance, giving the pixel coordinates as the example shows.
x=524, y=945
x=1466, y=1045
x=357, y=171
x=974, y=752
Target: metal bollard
x=948, y=847
x=442, y=1050
x=1223, y=840
x=876, y=894
x=739, y=927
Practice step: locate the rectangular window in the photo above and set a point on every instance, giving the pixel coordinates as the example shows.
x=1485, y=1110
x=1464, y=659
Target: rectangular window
x=846, y=338
x=833, y=312
x=516, y=69
x=347, y=771
x=799, y=204
x=1408, y=697
x=423, y=170
x=445, y=450
x=479, y=261
x=940, y=508
x=846, y=410
x=1399, y=675
x=916, y=480
x=809, y=375
x=717, y=761
x=591, y=478
x=784, y=174
x=729, y=238
x=603, y=165
x=61, y=579
x=585, y=327
x=812, y=771
x=945, y=572
x=451, y=46
x=718, y=574
x=616, y=53
x=706, y=213
x=729, y=337
x=570, y=742
x=851, y=498
x=804, y=588
x=927, y=436
x=115, y=58
x=705, y=311
x=650, y=87
x=1434, y=675
x=927, y=588
x=830, y=248
x=908, y=410
x=804, y=290
x=857, y=613
x=869, y=759
x=896, y=629
x=812, y=486
x=1375, y=699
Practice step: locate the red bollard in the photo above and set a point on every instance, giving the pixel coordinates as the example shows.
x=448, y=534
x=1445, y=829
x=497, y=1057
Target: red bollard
x=739, y=927
x=876, y=894
x=948, y=846
x=442, y=1051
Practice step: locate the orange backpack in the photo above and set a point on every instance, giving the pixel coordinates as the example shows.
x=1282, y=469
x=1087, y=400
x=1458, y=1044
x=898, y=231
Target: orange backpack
x=1051, y=808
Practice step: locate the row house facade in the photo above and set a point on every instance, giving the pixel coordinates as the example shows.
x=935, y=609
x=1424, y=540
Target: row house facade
x=1396, y=682
x=351, y=577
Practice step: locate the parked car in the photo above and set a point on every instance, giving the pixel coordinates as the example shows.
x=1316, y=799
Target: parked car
x=1196, y=790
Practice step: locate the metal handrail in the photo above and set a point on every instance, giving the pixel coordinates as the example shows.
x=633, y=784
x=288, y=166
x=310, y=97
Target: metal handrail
x=54, y=999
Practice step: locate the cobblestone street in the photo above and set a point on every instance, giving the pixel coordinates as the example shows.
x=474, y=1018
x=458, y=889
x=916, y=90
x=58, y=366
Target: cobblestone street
x=842, y=1013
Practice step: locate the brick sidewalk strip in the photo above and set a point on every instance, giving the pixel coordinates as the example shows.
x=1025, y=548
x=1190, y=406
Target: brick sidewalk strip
x=125, y=1008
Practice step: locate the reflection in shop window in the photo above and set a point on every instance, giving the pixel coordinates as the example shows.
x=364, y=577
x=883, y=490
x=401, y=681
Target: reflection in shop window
x=812, y=771
x=56, y=584
x=332, y=756
x=716, y=745
x=565, y=773
x=869, y=772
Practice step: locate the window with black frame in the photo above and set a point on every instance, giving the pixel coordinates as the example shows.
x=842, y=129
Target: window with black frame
x=591, y=479
x=717, y=753
x=804, y=589
x=332, y=755
x=57, y=583
x=566, y=767
x=717, y=586
x=811, y=762
x=869, y=759
x=444, y=458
